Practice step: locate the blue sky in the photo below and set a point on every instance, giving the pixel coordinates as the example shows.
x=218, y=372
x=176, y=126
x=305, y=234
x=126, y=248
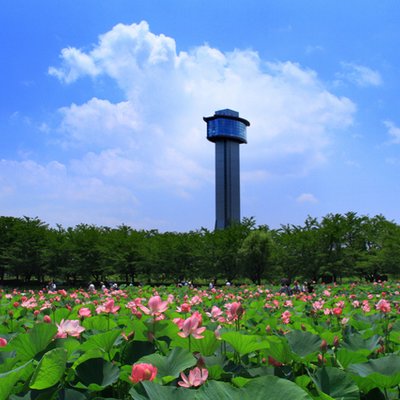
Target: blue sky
x=101, y=107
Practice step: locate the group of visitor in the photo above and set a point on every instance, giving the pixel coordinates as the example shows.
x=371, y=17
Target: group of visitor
x=306, y=287
x=51, y=286
x=103, y=286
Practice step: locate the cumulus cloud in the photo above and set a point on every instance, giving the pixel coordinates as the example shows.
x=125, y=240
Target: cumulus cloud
x=360, y=75
x=393, y=131
x=62, y=194
x=99, y=122
x=76, y=63
x=150, y=143
x=167, y=93
x=306, y=198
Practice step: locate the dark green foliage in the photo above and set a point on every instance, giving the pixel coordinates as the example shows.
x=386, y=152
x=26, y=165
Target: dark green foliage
x=333, y=248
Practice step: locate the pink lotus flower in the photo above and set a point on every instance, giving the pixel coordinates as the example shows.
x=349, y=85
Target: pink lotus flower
x=217, y=332
x=195, y=378
x=143, y=372
x=179, y=322
x=184, y=308
x=195, y=300
x=285, y=317
x=84, y=312
x=69, y=328
x=288, y=303
x=234, y=311
x=318, y=305
x=215, y=313
x=156, y=306
x=340, y=304
x=3, y=342
x=28, y=303
x=337, y=311
x=110, y=307
x=383, y=306
x=191, y=326
x=365, y=306
x=47, y=319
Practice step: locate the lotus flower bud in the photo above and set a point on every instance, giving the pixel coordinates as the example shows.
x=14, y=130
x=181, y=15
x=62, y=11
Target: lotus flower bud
x=336, y=342
x=273, y=362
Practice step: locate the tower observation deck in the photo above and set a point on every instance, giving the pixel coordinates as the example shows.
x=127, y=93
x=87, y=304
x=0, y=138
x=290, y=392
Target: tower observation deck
x=227, y=130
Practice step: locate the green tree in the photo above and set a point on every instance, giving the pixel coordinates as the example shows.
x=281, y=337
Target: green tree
x=7, y=238
x=255, y=254
x=88, y=252
x=298, y=250
x=59, y=255
x=27, y=254
x=226, y=245
x=122, y=252
x=388, y=259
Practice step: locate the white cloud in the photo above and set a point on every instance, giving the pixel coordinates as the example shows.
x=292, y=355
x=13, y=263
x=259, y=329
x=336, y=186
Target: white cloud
x=306, y=198
x=151, y=143
x=167, y=93
x=360, y=75
x=109, y=164
x=393, y=131
x=99, y=122
x=76, y=63
x=58, y=195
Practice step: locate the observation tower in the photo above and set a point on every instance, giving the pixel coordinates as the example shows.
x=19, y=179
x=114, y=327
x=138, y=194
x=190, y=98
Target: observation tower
x=227, y=130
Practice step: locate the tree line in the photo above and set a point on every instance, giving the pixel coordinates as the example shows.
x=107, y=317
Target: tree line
x=332, y=248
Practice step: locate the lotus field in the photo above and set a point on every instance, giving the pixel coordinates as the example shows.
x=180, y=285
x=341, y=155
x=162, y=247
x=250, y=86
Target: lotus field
x=248, y=342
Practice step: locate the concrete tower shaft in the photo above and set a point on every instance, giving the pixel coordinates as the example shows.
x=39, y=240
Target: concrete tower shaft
x=227, y=130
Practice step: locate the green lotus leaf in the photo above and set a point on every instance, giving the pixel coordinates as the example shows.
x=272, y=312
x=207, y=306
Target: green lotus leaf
x=70, y=344
x=28, y=345
x=152, y=391
x=303, y=343
x=96, y=374
x=383, y=372
x=135, y=350
x=103, y=341
x=355, y=342
x=221, y=391
x=50, y=369
x=244, y=344
x=71, y=394
x=279, y=349
x=61, y=313
x=206, y=346
x=336, y=383
x=346, y=357
x=99, y=323
x=9, y=379
x=265, y=387
x=173, y=364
